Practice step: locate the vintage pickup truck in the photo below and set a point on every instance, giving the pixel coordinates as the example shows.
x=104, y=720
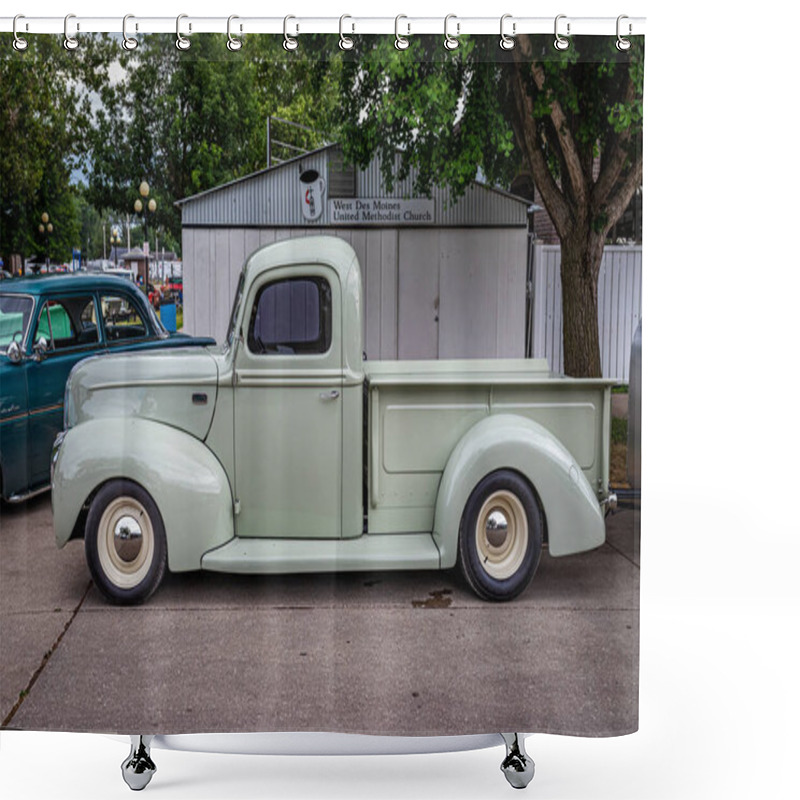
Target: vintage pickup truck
x=286, y=451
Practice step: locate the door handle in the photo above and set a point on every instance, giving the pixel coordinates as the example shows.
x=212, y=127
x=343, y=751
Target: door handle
x=331, y=395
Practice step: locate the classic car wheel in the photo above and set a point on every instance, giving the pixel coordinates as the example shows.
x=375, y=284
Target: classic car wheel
x=125, y=542
x=500, y=541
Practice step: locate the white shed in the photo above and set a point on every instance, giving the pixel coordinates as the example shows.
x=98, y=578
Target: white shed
x=442, y=278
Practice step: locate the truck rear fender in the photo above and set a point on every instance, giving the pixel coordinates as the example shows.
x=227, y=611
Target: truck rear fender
x=572, y=512
x=184, y=478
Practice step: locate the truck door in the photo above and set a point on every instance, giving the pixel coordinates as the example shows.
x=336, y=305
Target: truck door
x=288, y=407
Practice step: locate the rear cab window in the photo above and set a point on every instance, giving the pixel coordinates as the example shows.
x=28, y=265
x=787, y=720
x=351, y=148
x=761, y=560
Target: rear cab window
x=291, y=317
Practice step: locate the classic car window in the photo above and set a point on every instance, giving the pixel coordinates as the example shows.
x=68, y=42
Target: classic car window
x=121, y=319
x=67, y=322
x=291, y=317
x=15, y=314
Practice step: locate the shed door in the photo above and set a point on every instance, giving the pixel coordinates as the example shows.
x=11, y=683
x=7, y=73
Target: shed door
x=418, y=294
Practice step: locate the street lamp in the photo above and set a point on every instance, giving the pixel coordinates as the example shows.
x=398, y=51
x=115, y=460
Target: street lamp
x=142, y=208
x=115, y=240
x=46, y=228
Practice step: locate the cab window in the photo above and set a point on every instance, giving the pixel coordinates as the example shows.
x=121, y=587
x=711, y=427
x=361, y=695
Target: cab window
x=290, y=317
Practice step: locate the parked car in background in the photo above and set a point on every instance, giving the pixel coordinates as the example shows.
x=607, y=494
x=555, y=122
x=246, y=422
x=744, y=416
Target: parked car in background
x=121, y=272
x=174, y=287
x=47, y=325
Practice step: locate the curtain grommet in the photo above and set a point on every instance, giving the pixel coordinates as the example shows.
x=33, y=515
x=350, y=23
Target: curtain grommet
x=128, y=42
x=19, y=44
x=507, y=42
x=70, y=42
x=623, y=44
x=450, y=41
x=289, y=42
x=560, y=43
x=181, y=42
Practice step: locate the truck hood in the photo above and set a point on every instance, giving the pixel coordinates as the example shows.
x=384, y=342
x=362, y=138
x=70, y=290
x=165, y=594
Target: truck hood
x=177, y=387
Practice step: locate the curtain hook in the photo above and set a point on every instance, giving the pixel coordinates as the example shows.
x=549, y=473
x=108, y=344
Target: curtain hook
x=507, y=42
x=345, y=42
x=450, y=42
x=234, y=43
x=19, y=43
x=128, y=42
x=622, y=42
x=181, y=42
x=400, y=42
x=561, y=43
x=70, y=42
x=289, y=43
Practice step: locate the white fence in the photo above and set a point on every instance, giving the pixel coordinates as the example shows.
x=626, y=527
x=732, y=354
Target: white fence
x=619, y=307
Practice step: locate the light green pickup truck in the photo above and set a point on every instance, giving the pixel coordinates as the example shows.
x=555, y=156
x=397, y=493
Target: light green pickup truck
x=285, y=451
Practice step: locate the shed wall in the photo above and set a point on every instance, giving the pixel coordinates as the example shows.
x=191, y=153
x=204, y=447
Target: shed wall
x=428, y=292
x=619, y=300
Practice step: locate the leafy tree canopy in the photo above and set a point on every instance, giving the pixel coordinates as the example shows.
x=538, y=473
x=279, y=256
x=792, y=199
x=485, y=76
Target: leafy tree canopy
x=571, y=120
x=45, y=122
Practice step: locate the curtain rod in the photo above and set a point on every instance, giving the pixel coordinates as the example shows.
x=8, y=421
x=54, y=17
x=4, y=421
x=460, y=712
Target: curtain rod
x=453, y=25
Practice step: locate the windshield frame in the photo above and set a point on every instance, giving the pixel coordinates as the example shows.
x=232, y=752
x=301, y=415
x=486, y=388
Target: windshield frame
x=32, y=299
x=231, y=334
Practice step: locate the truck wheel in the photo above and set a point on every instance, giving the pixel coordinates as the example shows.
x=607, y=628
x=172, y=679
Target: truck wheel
x=500, y=541
x=126, y=547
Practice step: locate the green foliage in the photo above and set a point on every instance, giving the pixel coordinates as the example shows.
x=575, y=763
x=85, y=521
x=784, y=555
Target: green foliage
x=439, y=113
x=619, y=430
x=189, y=121
x=448, y=115
x=45, y=121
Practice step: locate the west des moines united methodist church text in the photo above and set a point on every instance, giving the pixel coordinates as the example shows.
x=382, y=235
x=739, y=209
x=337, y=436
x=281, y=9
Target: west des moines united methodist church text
x=380, y=211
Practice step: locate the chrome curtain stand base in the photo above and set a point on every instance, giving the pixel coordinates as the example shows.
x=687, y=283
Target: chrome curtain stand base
x=518, y=766
x=138, y=768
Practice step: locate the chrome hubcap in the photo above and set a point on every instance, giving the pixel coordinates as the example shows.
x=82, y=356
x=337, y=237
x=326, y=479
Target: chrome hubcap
x=502, y=534
x=496, y=529
x=127, y=538
x=125, y=542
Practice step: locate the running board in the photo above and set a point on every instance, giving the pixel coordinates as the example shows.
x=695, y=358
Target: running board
x=376, y=551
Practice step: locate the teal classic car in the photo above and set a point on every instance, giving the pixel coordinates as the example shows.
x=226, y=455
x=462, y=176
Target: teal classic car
x=285, y=451
x=47, y=325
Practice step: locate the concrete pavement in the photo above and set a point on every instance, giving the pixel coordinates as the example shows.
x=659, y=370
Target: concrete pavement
x=396, y=653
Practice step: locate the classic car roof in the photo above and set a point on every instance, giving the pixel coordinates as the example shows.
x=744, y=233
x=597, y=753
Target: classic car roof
x=41, y=284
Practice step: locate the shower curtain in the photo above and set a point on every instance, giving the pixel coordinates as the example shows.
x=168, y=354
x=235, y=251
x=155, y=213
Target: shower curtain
x=491, y=192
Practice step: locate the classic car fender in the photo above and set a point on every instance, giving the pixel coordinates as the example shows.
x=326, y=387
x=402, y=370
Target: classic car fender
x=574, y=519
x=184, y=478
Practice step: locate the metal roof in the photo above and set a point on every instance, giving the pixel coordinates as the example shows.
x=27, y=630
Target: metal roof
x=274, y=198
x=65, y=282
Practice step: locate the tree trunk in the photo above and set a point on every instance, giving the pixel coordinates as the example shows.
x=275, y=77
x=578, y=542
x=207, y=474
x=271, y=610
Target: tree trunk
x=581, y=253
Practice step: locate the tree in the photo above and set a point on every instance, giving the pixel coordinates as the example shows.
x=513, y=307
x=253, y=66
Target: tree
x=190, y=121
x=45, y=117
x=572, y=120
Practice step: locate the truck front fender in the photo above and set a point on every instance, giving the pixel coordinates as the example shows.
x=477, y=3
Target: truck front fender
x=505, y=441
x=184, y=478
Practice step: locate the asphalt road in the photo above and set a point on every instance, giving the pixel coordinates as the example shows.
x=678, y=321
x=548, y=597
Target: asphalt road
x=407, y=653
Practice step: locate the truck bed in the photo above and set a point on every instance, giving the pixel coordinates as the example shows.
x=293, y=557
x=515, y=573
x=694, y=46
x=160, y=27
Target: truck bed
x=417, y=411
